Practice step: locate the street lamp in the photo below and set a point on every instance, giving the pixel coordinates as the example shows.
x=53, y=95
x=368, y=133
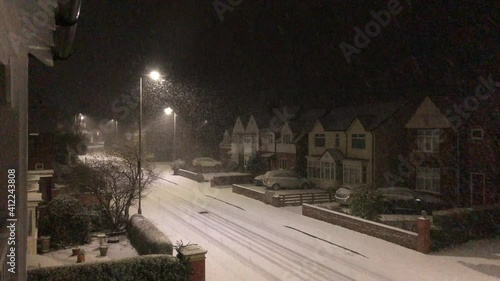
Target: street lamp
x=169, y=111
x=154, y=75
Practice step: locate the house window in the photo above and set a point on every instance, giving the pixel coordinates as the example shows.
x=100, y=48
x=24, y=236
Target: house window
x=337, y=140
x=286, y=138
x=477, y=134
x=358, y=141
x=39, y=166
x=248, y=139
x=428, y=140
x=327, y=170
x=429, y=179
x=269, y=139
x=313, y=169
x=354, y=173
x=319, y=140
x=284, y=163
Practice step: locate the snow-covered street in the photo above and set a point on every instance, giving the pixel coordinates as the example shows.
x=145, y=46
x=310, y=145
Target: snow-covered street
x=248, y=240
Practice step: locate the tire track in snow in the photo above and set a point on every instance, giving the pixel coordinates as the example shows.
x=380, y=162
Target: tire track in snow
x=263, y=272
x=325, y=254
x=265, y=247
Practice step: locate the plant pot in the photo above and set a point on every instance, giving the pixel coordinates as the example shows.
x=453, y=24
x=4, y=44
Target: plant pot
x=102, y=239
x=76, y=251
x=45, y=244
x=104, y=250
x=80, y=258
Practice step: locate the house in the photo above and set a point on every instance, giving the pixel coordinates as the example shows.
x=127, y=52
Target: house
x=357, y=145
x=279, y=141
x=225, y=147
x=44, y=42
x=454, y=149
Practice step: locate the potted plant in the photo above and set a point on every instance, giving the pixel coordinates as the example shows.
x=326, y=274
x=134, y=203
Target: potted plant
x=81, y=256
x=103, y=249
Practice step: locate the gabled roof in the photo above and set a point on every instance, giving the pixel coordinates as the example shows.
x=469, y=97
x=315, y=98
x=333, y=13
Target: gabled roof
x=335, y=153
x=305, y=120
x=370, y=115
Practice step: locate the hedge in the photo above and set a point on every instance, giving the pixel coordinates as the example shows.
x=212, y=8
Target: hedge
x=457, y=226
x=144, y=268
x=146, y=238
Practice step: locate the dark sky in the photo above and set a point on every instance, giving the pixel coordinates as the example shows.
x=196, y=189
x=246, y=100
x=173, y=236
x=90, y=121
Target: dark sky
x=263, y=49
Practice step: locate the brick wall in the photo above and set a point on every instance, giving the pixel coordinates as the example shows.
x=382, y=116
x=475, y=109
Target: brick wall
x=229, y=180
x=398, y=236
x=248, y=193
x=190, y=175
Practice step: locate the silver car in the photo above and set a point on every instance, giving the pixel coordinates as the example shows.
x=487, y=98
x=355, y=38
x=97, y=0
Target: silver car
x=343, y=195
x=279, y=179
x=206, y=162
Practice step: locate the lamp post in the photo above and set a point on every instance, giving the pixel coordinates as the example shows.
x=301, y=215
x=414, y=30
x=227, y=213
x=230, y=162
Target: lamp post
x=155, y=75
x=170, y=111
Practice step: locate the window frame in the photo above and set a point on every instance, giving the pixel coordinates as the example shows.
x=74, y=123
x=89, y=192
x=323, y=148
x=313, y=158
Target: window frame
x=428, y=137
x=428, y=179
x=319, y=137
x=358, y=141
x=474, y=130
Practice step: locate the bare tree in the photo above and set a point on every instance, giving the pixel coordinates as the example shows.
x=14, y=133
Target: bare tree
x=114, y=180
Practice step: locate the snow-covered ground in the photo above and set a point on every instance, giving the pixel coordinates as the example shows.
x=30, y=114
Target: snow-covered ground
x=248, y=240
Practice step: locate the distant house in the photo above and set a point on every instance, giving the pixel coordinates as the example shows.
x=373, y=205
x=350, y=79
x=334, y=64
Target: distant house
x=357, y=145
x=455, y=153
x=278, y=141
x=225, y=147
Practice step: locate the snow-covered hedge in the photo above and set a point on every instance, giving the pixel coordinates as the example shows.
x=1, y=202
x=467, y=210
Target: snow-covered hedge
x=147, y=238
x=144, y=268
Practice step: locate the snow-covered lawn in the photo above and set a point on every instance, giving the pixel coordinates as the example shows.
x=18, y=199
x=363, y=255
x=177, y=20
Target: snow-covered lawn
x=209, y=176
x=119, y=250
x=249, y=240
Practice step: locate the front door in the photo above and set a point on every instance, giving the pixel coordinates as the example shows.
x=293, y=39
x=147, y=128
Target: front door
x=477, y=192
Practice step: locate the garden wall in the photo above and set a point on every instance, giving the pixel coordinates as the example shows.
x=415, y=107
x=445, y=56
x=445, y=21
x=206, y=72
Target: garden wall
x=229, y=180
x=191, y=175
x=394, y=235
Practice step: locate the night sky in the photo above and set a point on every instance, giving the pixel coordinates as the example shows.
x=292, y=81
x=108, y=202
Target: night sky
x=263, y=52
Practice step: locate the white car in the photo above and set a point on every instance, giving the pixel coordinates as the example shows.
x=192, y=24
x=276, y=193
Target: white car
x=207, y=162
x=343, y=195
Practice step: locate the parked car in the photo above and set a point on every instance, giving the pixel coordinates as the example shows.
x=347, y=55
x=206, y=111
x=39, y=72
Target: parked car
x=405, y=200
x=206, y=162
x=279, y=179
x=259, y=180
x=343, y=195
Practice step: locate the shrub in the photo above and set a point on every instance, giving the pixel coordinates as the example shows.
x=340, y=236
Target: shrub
x=147, y=238
x=177, y=165
x=367, y=205
x=457, y=226
x=144, y=268
x=66, y=220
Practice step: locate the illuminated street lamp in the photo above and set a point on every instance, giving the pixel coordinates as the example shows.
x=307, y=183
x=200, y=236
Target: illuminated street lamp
x=154, y=75
x=170, y=111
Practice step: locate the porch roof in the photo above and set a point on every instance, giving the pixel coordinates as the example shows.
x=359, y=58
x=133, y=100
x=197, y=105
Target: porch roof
x=267, y=155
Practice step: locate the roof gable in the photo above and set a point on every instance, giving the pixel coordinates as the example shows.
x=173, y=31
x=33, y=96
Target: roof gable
x=428, y=115
x=238, y=127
